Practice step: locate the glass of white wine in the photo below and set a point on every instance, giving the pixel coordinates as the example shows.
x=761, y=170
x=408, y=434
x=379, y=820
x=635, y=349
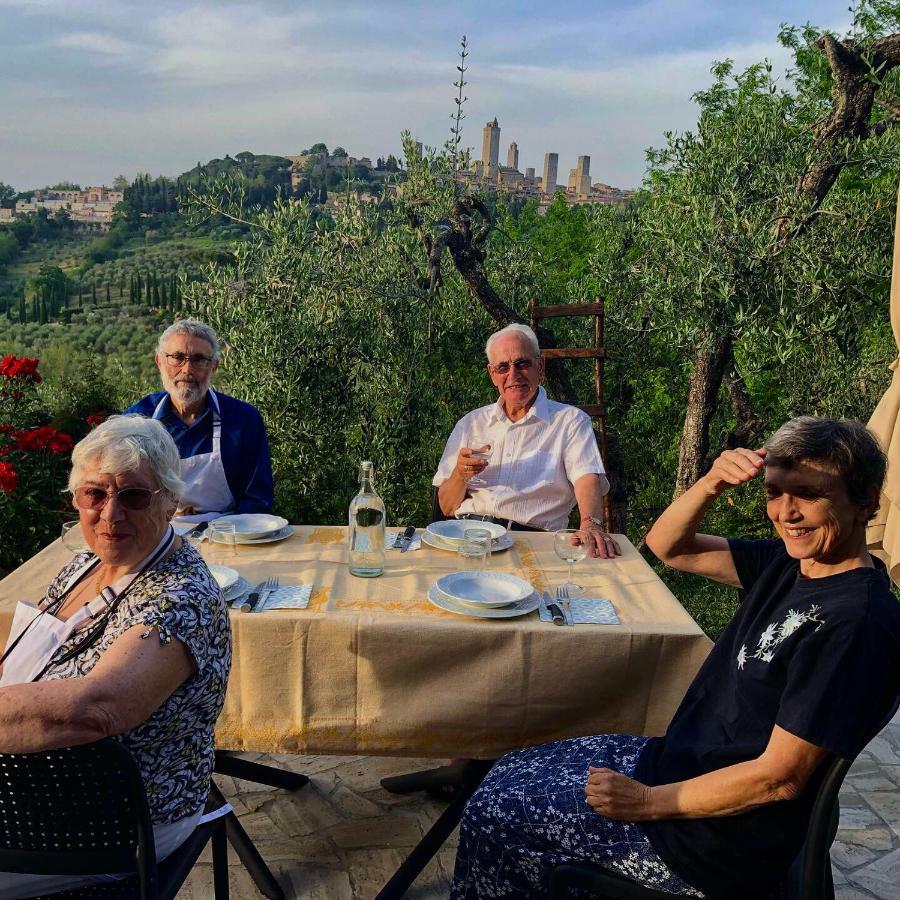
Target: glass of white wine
x=480, y=448
x=570, y=548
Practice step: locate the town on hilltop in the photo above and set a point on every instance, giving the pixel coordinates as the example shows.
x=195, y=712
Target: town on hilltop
x=323, y=177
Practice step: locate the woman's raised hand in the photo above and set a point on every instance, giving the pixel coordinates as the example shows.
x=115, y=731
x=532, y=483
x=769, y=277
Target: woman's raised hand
x=733, y=467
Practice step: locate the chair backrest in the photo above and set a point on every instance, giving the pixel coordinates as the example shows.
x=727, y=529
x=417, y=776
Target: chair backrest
x=76, y=811
x=811, y=871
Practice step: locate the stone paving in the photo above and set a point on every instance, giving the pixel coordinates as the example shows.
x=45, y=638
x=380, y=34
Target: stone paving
x=342, y=836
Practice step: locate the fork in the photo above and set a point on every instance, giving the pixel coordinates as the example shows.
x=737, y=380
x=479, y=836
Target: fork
x=264, y=589
x=562, y=594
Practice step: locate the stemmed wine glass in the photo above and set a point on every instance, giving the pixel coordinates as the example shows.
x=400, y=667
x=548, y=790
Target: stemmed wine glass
x=570, y=548
x=480, y=448
x=72, y=536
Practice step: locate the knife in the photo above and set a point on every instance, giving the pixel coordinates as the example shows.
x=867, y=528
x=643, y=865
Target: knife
x=252, y=601
x=555, y=612
x=201, y=527
x=406, y=540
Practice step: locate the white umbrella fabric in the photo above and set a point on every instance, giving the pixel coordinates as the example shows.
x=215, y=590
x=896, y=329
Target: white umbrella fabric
x=883, y=534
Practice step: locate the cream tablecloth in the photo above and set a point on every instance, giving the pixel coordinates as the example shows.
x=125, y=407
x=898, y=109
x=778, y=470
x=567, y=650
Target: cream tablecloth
x=371, y=667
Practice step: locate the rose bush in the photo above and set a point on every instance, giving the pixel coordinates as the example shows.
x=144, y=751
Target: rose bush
x=34, y=465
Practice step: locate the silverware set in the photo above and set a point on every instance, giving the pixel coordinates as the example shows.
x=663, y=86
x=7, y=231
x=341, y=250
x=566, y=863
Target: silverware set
x=259, y=594
x=559, y=609
x=404, y=539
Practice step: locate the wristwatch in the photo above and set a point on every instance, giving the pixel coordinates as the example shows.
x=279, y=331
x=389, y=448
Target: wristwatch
x=594, y=520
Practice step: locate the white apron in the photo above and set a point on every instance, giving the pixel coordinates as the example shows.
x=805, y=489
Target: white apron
x=36, y=635
x=205, y=484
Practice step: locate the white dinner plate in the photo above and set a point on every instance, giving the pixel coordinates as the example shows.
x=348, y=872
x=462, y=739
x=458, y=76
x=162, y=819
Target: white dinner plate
x=453, y=530
x=521, y=608
x=285, y=532
x=483, y=588
x=432, y=540
x=224, y=576
x=253, y=526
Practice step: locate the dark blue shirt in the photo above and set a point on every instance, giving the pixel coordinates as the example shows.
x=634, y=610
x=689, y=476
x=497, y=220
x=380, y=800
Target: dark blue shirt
x=245, y=445
x=819, y=657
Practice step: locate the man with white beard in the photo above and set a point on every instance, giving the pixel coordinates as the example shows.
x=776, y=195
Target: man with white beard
x=224, y=449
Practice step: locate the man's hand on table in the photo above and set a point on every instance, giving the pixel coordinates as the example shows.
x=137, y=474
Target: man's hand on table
x=617, y=796
x=599, y=544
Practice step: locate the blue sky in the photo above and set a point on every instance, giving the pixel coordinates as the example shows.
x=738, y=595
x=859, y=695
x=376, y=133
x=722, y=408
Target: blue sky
x=94, y=89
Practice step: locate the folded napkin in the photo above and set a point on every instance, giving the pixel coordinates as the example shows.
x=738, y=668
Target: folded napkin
x=586, y=611
x=288, y=596
x=391, y=536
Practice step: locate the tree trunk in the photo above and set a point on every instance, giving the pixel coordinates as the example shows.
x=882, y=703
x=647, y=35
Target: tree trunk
x=749, y=424
x=710, y=364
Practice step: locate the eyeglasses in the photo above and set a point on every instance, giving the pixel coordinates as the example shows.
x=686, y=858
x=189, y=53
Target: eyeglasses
x=520, y=365
x=177, y=360
x=90, y=497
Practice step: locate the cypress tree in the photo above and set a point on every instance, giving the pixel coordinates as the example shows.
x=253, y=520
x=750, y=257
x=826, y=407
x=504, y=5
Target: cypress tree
x=164, y=295
x=108, y=298
x=156, y=299
x=93, y=293
x=22, y=308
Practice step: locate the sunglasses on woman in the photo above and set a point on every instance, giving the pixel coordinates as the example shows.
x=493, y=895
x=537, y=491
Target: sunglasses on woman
x=134, y=498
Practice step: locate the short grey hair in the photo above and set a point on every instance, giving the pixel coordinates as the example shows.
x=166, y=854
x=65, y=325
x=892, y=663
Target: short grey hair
x=194, y=329
x=844, y=445
x=122, y=443
x=521, y=330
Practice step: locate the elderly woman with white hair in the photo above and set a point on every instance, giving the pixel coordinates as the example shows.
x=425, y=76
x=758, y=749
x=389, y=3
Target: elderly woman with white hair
x=131, y=639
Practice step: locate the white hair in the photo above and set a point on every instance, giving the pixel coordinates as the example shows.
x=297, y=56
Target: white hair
x=194, y=329
x=122, y=443
x=522, y=330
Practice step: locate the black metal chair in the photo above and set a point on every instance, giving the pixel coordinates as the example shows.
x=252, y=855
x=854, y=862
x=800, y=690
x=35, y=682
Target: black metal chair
x=83, y=811
x=809, y=877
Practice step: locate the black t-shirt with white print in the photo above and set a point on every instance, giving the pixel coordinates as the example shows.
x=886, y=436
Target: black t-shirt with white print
x=819, y=657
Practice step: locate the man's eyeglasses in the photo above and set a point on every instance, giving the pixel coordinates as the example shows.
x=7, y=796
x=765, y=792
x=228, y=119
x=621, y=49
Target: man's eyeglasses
x=177, y=360
x=90, y=497
x=520, y=365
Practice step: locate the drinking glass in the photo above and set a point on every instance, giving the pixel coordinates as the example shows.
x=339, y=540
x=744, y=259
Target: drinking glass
x=73, y=537
x=471, y=556
x=221, y=540
x=570, y=548
x=481, y=449
x=479, y=536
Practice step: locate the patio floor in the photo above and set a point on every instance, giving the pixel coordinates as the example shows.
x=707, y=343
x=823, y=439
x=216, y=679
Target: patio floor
x=342, y=836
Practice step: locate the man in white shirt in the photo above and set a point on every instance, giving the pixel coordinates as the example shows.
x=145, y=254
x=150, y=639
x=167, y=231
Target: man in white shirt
x=542, y=455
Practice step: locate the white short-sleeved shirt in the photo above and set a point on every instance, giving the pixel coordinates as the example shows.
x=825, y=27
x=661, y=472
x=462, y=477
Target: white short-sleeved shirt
x=533, y=463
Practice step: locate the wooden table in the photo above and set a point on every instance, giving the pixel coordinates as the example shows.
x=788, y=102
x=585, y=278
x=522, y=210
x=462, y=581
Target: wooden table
x=371, y=667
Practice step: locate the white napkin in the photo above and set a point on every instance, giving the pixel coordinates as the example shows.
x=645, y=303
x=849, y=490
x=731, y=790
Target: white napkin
x=391, y=536
x=586, y=611
x=288, y=596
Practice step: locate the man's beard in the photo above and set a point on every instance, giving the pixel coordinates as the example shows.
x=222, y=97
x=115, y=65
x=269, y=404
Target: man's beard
x=186, y=391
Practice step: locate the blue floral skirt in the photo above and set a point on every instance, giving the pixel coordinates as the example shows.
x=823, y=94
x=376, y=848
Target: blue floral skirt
x=530, y=815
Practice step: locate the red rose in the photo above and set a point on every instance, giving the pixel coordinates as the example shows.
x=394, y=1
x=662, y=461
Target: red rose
x=22, y=368
x=94, y=421
x=44, y=438
x=9, y=478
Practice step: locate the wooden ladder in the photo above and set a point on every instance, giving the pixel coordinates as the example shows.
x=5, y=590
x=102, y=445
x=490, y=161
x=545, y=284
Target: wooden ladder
x=597, y=353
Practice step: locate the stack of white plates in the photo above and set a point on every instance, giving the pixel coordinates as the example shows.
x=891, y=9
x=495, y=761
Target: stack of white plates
x=257, y=528
x=485, y=595
x=450, y=534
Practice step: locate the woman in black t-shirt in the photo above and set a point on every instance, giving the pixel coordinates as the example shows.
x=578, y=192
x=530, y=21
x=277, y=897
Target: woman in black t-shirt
x=807, y=669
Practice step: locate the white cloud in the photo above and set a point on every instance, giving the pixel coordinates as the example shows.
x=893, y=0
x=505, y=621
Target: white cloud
x=96, y=42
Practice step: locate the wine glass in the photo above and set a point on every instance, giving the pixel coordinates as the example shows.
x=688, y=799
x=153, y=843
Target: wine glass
x=221, y=540
x=73, y=537
x=480, y=448
x=570, y=548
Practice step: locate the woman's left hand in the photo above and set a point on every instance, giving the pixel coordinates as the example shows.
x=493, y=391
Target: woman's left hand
x=617, y=796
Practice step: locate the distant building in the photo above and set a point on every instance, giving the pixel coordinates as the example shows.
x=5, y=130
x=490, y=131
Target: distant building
x=551, y=164
x=490, y=147
x=512, y=156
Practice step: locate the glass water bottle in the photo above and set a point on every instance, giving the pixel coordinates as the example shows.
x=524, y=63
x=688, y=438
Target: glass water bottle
x=367, y=523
